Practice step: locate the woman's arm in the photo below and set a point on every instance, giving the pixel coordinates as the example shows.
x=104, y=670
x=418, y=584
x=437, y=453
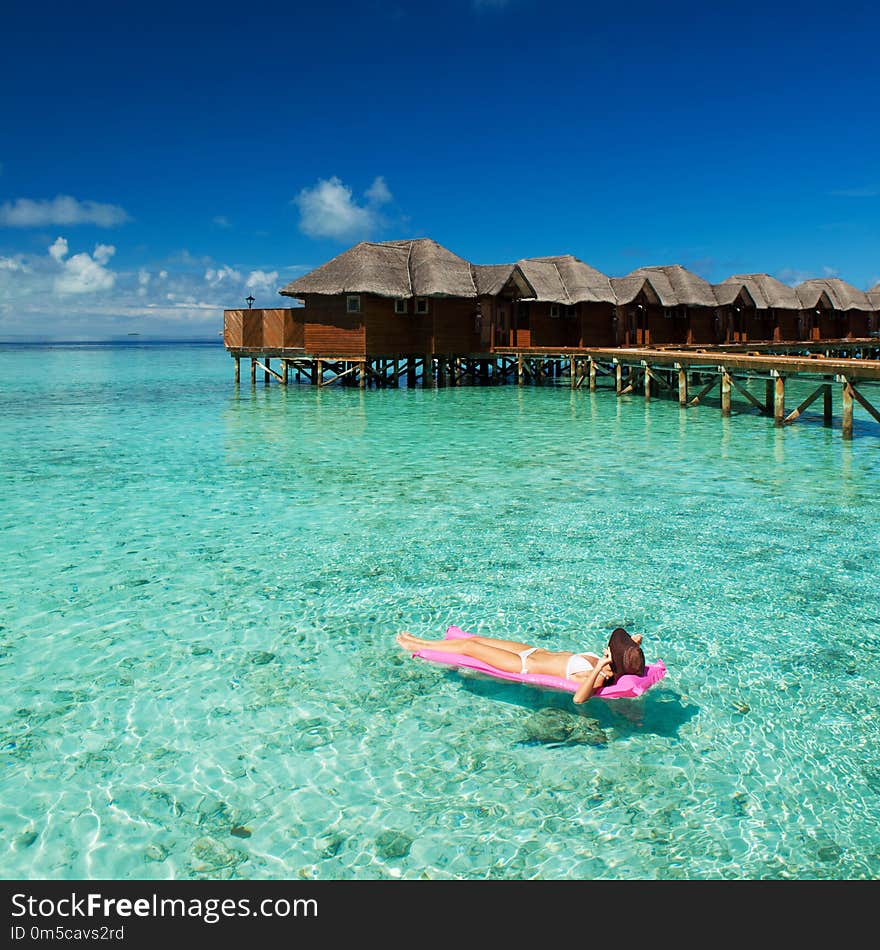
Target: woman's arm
x=594, y=680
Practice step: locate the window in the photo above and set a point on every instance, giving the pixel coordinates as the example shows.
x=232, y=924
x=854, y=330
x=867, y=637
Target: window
x=571, y=311
x=667, y=313
x=401, y=305
x=421, y=305
x=554, y=309
x=353, y=303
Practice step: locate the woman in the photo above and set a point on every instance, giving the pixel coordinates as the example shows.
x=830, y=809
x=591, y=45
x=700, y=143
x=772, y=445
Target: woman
x=622, y=655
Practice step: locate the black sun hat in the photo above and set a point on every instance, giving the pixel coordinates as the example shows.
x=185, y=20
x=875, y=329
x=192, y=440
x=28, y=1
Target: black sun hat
x=626, y=654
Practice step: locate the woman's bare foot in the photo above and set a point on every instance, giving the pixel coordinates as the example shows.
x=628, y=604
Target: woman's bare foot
x=408, y=641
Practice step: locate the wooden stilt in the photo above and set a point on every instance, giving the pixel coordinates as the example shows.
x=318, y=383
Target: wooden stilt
x=779, y=401
x=682, y=386
x=285, y=372
x=847, y=402
x=253, y=371
x=268, y=370
x=410, y=372
x=572, y=372
x=725, y=394
x=592, y=375
x=362, y=375
x=237, y=369
x=318, y=377
x=647, y=382
x=618, y=377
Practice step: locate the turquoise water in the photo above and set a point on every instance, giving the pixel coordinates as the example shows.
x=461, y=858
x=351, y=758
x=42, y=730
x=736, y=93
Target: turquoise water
x=202, y=584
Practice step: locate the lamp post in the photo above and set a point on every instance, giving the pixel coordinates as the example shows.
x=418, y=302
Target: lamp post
x=249, y=300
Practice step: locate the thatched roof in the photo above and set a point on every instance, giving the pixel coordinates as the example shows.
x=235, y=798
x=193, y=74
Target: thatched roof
x=766, y=291
x=672, y=284
x=567, y=280
x=727, y=294
x=874, y=297
x=414, y=268
x=494, y=279
x=840, y=294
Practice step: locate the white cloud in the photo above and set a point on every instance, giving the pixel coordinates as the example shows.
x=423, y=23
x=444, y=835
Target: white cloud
x=84, y=274
x=59, y=249
x=63, y=210
x=214, y=276
x=328, y=209
x=378, y=193
x=262, y=280
x=221, y=221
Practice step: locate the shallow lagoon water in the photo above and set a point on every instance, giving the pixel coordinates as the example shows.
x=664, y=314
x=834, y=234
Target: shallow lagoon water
x=202, y=584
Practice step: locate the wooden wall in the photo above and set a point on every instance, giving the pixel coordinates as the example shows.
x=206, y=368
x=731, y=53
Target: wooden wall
x=453, y=321
x=329, y=330
x=599, y=325
x=283, y=327
x=562, y=331
x=243, y=328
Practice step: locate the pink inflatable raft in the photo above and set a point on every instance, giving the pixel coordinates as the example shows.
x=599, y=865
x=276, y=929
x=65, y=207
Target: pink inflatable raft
x=627, y=686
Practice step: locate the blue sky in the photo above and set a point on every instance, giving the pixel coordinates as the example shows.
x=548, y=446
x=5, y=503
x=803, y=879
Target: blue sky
x=159, y=162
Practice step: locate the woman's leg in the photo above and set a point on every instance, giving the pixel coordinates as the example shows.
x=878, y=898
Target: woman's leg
x=474, y=647
x=515, y=645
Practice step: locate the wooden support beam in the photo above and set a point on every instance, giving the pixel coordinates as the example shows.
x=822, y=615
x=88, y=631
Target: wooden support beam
x=725, y=393
x=237, y=369
x=647, y=381
x=269, y=371
x=618, y=377
x=339, y=375
x=253, y=371
x=318, y=373
x=779, y=401
x=860, y=399
x=682, y=386
x=572, y=372
x=807, y=402
x=362, y=375
x=847, y=425
x=592, y=374
x=710, y=385
x=285, y=372
x=752, y=399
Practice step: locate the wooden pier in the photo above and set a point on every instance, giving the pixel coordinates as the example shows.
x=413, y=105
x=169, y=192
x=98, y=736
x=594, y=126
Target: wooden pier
x=687, y=375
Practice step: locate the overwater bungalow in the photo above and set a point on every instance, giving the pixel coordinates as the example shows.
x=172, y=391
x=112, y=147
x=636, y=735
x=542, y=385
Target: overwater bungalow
x=501, y=290
x=393, y=297
x=832, y=309
x=666, y=305
x=772, y=316
x=574, y=305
